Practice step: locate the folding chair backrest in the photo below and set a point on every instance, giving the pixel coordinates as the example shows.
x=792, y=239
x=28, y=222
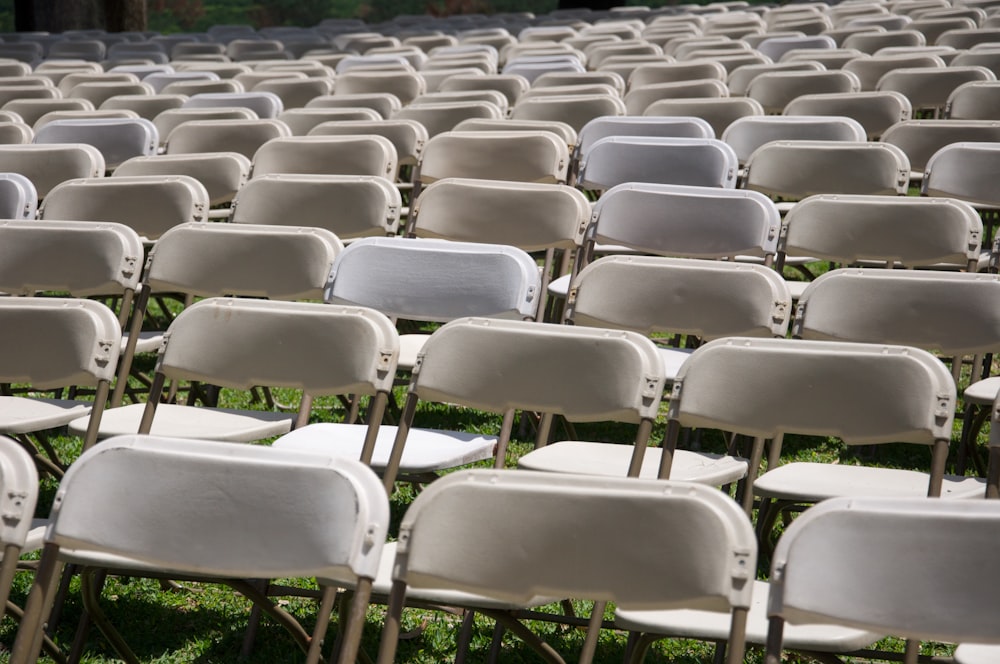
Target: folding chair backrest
x=529, y=156
x=874, y=564
x=738, y=81
x=149, y=204
x=406, y=85
x=912, y=230
x=747, y=134
x=655, y=294
x=527, y=215
x=930, y=88
x=574, y=110
x=331, y=155
x=168, y=120
x=278, y=262
x=407, y=136
x=245, y=342
x=672, y=547
x=382, y=103
x=719, y=112
x=18, y=197
x=631, y=125
x=949, y=312
x=349, y=206
x=57, y=342
x=18, y=496
x=774, y=90
x=692, y=222
x=443, y=280
x=705, y=162
x=242, y=136
x=265, y=104
x=117, y=140
x=48, y=165
x=869, y=393
x=870, y=69
x=256, y=527
x=963, y=170
x=560, y=129
x=796, y=169
x=221, y=173
x=76, y=257
x=920, y=139
x=974, y=101
x=875, y=111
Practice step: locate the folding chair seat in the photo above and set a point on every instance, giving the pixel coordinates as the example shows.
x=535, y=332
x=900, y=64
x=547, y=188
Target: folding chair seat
x=822, y=551
x=745, y=135
x=889, y=231
x=48, y=165
x=49, y=344
x=382, y=103
x=609, y=510
x=929, y=89
x=796, y=169
x=242, y=136
x=266, y=105
x=349, y=206
x=18, y=197
x=871, y=69
x=653, y=295
x=510, y=85
x=775, y=89
x=274, y=514
x=146, y=106
x=117, y=139
x=405, y=85
x=739, y=79
x=31, y=110
x=920, y=139
x=616, y=160
x=979, y=100
x=519, y=156
x=149, y=204
x=719, y=112
x=875, y=111
x=330, y=155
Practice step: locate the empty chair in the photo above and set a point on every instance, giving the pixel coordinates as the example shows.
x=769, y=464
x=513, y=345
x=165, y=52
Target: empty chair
x=978, y=100
x=962, y=170
x=196, y=87
x=105, y=114
x=656, y=295
x=961, y=39
x=550, y=564
x=241, y=136
x=441, y=117
x=872, y=42
x=18, y=197
x=875, y=111
x=97, y=92
x=221, y=173
x=19, y=480
x=639, y=98
x=870, y=70
x=9, y=93
x=407, y=136
x=264, y=104
x=920, y=139
x=740, y=78
x=745, y=135
x=48, y=165
x=631, y=125
x=405, y=85
x=718, y=112
x=985, y=56
x=293, y=92
x=511, y=86
x=167, y=120
x=159, y=81
x=117, y=140
x=53, y=343
x=574, y=110
x=929, y=89
x=146, y=106
x=686, y=161
x=31, y=110
x=331, y=155
x=382, y=103
x=301, y=120
x=522, y=156
x=775, y=47
x=349, y=206
x=796, y=169
x=774, y=90
x=148, y=204
x=260, y=525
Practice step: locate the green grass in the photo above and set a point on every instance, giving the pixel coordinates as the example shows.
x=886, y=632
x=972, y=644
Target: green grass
x=206, y=623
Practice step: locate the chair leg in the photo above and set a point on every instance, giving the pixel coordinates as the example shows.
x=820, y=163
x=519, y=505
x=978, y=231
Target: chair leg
x=322, y=623
x=972, y=422
x=91, y=583
x=593, y=632
x=39, y=604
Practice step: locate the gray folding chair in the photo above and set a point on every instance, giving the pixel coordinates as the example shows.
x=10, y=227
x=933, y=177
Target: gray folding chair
x=301, y=120
x=745, y=135
x=382, y=103
x=222, y=174
x=242, y=136
x=978, y=100
x=617, y=160
x=265, y=104
x=877, y=563
x=640, y=545
x=149, y=204
x=698, y=299
x=875, y=111
x=740, y=78
x=117, y=140
x=775, y=90
x=405, y=85
x=962, y=170
x=366, y=154
x=929, y=89
x=920, y=139
x=719, y=112
x=19, y=483
x=48, y=165
x=574, y=110
x=349, y=206
x=639, y=98
x=273, y=514
x=52, y=344
x=441, y=117
x=631, y=125
x=18, y=197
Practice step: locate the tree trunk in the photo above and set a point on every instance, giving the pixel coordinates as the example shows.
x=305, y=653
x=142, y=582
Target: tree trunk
x=125, y=15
